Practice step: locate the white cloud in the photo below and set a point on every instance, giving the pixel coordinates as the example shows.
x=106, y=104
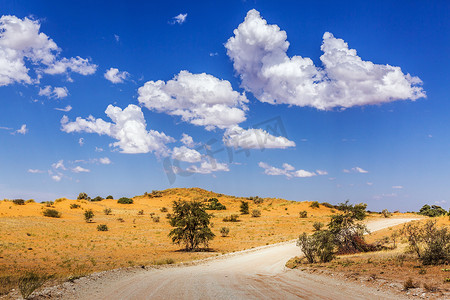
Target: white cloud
x=97, y=149
x=254, y=138
x=81, y=141
x=369, y=183
x=104, y=160
x=23, y=47
x=116, y=37
x=258, y=52
x=115, y=76
x=288, y=171
x=355, y=170
x=57, y=178
x=183, y=153
x=200, y=99
x=59, y=165
x=128, y=128
x=35, y=171
x=206, y=167
x=23, y=130
x=213, y=54
x=57, y=92
x=179, y=19
x=397, y=187
x=187, y=140
x=65, y=109
x=79, y=169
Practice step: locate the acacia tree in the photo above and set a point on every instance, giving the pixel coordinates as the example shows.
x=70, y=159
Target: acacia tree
x=191, y=223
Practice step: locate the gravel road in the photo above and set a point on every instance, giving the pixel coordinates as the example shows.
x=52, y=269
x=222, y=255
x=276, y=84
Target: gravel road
x=252, y=274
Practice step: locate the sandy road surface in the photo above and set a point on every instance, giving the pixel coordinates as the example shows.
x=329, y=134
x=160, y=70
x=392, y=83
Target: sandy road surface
x=254, y=274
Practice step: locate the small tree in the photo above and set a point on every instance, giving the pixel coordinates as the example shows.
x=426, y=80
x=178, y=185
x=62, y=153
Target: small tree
x=125, y=200
x=308, y=247
x=386, y=213
x=51, y=213
x=88, y=215
x=244, y=208
x=432, y=211
x=191, y=223
x=82, y=196
x=107, y=211
x=109, y=197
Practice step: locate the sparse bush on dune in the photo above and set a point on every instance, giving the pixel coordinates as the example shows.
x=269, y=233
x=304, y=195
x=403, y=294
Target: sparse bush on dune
x=30, y=282
x=82, y=196
x=156, y=219
x=256, y=213
x=303, y=214
x=107, y=211
x=141, y=212
x=102, y=227
x=244, y=208
x=48, y=203
x=386, y=213
x=214, y=204
x=224, y=231
x=164, y=261
x=109, y=197
x=51, y=213
x=163, y=209
x=30, y=201
x=232, y=218
x=125, y=200
x=314, y=204
x=59, y=200
x=328, y=205
x=96, y=199
x=74, y=205
x=317, y=226
x=19, y=201
x=88, y=215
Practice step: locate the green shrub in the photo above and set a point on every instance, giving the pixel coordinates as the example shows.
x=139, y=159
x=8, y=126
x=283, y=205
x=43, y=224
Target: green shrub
x=155, y=219
x=314, y=204
x=386, y=213
x=164, y=209
x=224, y=231
x=30, y=282
x=19, y=201
x=48, y=203
x=303, y=214
x=82, y=196
x=51, y=213
x=232, y=218
x=102, y=227
x=317, y=226
x=74, y=205
x=164, y=261
x=214, y=204
x=96, y=199
x=109, y=197
x=156, y=194
x=30, y=201
x=107, y=211
x=328, y=205
x=256, y=213
x=432, y=211
x=125, y=200
x=244, y=208
x=88, y=215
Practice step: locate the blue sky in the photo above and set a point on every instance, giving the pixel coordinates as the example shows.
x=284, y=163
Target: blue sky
x=274, y=89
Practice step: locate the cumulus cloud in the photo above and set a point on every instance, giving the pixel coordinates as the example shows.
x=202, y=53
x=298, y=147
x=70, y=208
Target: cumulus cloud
x=128, y=128
x=115, y=76
x=35, y=171
x=22, y=130
x=355, y=170
x=23, y=46
x=81, y=141
x=56, y=178
x=79, y=169
x=254, y=138
x=200, y=99
x=59, y=165
x=183, y=153
x=187, y=140
x=65, y=109
x=179, y=19
x=289, y=171
x=205, y=167
x=258, y=51
x=104, y=160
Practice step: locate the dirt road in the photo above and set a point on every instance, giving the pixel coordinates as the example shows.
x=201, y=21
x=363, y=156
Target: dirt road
x=253, y=274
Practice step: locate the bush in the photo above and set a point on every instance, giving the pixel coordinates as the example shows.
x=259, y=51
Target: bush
x=164, y=209
x=155, y=219
x=224, y=231
x=107, y=211
x=88, y=215
x=74, y=205
x=303, y=214
x=314, y=204
x=19, y=201
x=409, y=284
x=51, y=213
x=48, y=203
x=191, y=223
x=96, y=199
x=109, y=197
x=256, y=213
x=308, y=247
x=317, y=226
x=214, y=204
x=156, y=194
x=317, y=246
x=244, y=208
x=432, y=211
x=232, y=218
x=386, y=213
x=30, y=282
x=141, y=212
x=328, y=205
x=256, y=199
x=125, y=200
x=82, y=196
x=102, y=227
x=30, y=201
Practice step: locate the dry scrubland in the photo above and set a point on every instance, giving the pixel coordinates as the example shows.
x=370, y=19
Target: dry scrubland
x=388, y=268
x=70, y=247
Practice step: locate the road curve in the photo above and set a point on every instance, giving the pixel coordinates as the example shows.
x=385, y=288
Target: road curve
x=253, y=274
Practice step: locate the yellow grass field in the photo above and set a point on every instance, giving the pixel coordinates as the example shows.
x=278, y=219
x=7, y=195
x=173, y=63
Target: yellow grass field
x=68, y=246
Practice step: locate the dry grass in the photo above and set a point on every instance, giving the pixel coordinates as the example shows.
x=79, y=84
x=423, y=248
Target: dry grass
x=69, y=247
